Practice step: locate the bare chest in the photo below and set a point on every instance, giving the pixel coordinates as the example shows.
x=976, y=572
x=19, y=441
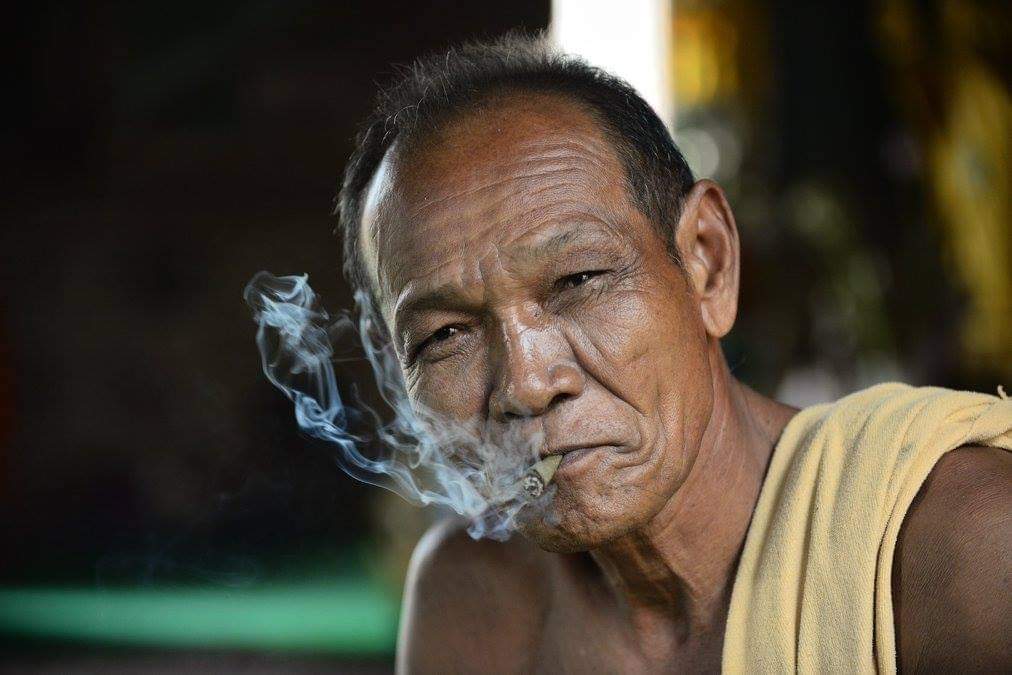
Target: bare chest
x=579, y=637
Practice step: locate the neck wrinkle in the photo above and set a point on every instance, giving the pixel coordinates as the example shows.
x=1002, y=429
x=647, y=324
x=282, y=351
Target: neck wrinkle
x=674, y=577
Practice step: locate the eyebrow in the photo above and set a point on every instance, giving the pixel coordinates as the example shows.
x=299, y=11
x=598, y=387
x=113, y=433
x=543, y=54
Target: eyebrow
x=553, y=244
x=435, y=298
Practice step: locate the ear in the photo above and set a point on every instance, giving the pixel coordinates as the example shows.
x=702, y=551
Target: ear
x=707, y=241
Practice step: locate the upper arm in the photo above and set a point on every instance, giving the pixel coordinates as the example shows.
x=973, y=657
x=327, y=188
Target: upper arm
x=463, y=608
x=951, y=569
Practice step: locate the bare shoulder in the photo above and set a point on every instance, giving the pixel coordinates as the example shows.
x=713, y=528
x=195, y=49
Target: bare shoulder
x=469, y=606
x=951, y=569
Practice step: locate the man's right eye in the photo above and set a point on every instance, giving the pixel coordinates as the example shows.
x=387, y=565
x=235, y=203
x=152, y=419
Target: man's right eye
x=442, y=335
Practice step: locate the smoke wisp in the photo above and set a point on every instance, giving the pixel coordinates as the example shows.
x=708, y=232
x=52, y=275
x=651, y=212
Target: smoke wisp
x=426, y=459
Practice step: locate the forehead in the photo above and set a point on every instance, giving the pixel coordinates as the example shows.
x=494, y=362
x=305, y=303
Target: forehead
x=483, y=182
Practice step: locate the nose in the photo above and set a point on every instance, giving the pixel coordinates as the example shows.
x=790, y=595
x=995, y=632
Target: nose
x=535, y=370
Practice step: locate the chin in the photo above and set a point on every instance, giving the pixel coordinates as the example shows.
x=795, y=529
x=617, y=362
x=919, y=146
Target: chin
x=553, y=541
x=559, y=529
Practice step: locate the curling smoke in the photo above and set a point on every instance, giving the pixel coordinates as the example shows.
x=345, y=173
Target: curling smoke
x=422, y=457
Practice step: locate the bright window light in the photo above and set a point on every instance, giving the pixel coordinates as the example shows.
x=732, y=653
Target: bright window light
x=629, y=38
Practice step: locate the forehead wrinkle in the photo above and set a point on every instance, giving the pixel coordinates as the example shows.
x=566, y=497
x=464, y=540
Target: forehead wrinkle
x=407, y=266
x=577, y=233
x=511, y=221
x=445, y=273
x=475, y=191
x=539, y=222
x=592, y=151
x=521, y=160
x=534, y=172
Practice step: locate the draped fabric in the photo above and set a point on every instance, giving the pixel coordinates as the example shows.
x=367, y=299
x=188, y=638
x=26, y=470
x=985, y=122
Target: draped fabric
x=813, y=589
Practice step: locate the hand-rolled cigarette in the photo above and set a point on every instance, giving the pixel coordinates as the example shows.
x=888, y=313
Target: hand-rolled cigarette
x=538, y=476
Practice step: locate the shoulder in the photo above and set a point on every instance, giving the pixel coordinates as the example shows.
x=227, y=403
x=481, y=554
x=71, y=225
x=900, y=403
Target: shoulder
x=951, y=568
x=469, y=605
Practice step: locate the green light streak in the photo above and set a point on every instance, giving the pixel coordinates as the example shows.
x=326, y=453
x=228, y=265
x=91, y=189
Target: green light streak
x=346, y=617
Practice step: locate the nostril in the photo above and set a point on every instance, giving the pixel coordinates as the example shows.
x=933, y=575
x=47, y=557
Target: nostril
x=560, y=398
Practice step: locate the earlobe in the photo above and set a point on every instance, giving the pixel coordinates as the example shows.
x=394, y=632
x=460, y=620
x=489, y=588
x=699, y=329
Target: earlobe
x=707, y=241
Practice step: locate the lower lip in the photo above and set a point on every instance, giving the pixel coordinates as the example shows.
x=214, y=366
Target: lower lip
x=573, y=461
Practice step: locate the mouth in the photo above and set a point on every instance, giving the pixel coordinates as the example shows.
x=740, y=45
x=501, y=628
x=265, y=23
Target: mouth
x=551, y=464
x=576, y=460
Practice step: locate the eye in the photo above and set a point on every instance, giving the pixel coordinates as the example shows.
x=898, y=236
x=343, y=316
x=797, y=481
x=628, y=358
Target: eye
x=444, y=334
x=580, y=278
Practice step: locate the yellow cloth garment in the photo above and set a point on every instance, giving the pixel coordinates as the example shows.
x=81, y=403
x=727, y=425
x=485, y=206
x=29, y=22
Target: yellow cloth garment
x=813, y=589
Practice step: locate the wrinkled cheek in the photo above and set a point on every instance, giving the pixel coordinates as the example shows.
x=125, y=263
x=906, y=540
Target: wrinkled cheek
x=455, y=391
x=610, y=502
x=592, y=505
x=629, y=342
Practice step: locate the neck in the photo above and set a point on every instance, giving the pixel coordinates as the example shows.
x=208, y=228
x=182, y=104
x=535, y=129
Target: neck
x=673, y=578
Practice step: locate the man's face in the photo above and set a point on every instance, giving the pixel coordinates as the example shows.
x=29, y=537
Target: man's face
x=524, y=290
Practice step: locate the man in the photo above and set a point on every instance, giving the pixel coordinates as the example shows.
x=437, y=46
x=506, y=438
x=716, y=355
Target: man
x=540, y=257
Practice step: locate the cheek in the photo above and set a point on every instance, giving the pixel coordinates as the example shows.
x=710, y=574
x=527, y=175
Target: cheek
x=456, y=388
x=640, y=345
x=648, y=350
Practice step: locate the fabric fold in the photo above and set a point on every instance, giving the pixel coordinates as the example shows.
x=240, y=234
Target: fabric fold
x=813, y=588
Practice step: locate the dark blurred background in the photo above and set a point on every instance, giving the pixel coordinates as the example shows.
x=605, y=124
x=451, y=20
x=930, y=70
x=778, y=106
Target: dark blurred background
x=159, y=509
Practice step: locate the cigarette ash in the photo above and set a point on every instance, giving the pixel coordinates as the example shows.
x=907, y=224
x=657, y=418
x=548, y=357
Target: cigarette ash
x=425, y=458
x=539, y=476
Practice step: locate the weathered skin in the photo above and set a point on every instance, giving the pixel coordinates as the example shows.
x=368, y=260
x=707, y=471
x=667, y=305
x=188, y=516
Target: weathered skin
x=477, y=241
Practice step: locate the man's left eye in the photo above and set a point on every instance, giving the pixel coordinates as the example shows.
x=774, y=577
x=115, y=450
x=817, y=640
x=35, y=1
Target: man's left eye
x=578, y=279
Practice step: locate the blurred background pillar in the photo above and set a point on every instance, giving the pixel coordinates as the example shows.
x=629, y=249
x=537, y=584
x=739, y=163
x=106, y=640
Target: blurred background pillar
x=631, y=39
